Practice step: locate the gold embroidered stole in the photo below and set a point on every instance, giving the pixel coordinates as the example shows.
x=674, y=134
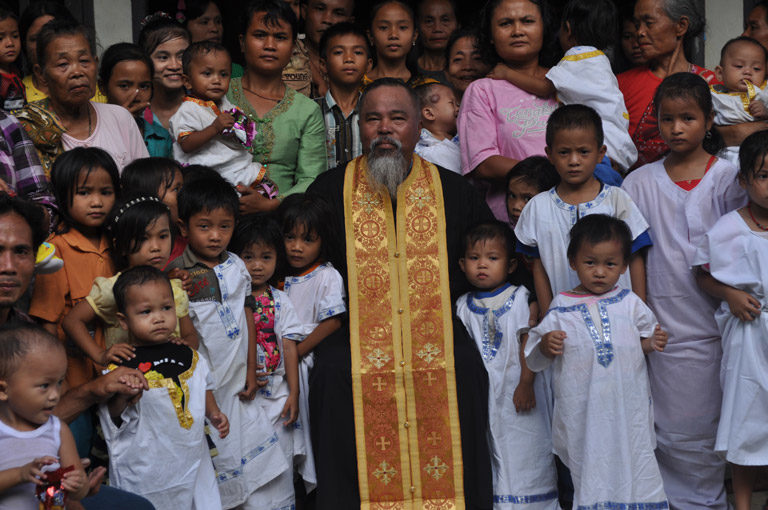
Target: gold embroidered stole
x=401, y=337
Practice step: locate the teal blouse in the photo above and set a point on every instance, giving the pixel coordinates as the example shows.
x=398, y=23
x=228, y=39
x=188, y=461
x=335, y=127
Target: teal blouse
x=290, y=141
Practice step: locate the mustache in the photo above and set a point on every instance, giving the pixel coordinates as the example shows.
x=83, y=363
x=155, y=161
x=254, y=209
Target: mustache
x=385, y=139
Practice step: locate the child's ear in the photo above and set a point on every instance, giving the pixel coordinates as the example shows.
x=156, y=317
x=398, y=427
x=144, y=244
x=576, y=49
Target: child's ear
x=603, y=150
x=370, y=65
x=512, y=265
x=719, y=73
x=324, y=66
x=572, y=264
x=427, y=113
x=123, y=320
x=461, y=264
x=710, y=120
x=3, y=390
x=185, y=80
x=548, y=152
x=182, y=227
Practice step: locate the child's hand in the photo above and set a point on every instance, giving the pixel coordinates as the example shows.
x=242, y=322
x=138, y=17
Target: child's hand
x=499, y=72
x=660, y=338
x=220, y=421
x=742, y=305
x=95, y=476
x=132, y=383
x=251, y=386
x=136, y=108
x=552, y=343
x=524, y=397
x=290, y=409
x=116, y=354
x=657, y=342
x=261, y=376
x=31, y=473
x=180, y=274
x=74, y=481
x=758, y=110
x=223, y=121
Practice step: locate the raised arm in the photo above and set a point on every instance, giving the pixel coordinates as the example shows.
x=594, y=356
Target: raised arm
x=537, y=85
x=75, y=324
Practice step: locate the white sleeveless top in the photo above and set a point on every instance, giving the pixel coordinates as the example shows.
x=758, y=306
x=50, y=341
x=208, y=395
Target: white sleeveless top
x=19, y=448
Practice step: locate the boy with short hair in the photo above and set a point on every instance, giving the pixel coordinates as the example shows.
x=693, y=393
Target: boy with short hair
x=574, y=139
x=496, y=316
x=304, y=72
x=345, y=57
x=219, y=282
x=438, y=142
x=166, y=425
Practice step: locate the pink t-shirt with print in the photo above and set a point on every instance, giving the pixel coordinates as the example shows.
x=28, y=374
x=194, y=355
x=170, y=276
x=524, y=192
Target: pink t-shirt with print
x=498, y=119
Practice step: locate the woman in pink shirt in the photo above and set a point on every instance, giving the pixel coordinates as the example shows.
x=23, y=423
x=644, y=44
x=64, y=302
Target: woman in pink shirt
x=500, y=124
x=67, y=118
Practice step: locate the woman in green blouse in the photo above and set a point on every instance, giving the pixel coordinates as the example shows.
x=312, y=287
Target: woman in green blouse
x=291, y=136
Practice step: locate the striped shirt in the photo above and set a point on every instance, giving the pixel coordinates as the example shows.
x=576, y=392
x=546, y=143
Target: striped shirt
x=19, y=165
x=342, y=135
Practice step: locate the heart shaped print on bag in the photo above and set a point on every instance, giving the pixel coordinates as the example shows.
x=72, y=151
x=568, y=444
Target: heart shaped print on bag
x=145, y=367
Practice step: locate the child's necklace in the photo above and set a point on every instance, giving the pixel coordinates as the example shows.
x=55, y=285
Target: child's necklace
x=761, y=227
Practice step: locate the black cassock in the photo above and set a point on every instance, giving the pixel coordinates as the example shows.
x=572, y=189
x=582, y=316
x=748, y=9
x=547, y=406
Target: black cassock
x=330, y=382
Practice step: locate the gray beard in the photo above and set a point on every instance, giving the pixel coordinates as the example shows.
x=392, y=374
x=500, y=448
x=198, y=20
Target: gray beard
x=386, y=169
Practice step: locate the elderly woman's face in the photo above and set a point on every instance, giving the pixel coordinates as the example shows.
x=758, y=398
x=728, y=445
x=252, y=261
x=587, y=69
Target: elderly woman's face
x=465, y=64
x=517, y=31
x=69, y=70
x=757, y=26
x=657, y=34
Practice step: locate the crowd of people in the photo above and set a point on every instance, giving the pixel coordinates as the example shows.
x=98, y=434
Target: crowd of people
x=396, y=262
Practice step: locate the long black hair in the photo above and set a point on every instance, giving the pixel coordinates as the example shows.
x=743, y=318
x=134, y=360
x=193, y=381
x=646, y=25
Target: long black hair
x=310, y=212
x=128, y=222
x=752, y=154
x=66, y=173
x=263, y=229
x=690, y=86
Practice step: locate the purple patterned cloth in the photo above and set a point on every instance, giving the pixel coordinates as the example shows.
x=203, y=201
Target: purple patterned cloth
x=19, y=165
x=244, y=129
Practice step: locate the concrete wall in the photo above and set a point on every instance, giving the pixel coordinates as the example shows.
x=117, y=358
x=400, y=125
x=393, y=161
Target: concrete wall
x=113, y=23
x=725, y=20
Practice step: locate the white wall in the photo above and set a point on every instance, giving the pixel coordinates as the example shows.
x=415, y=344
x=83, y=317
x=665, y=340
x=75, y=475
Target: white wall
x=112, y=19
x=725, y=20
